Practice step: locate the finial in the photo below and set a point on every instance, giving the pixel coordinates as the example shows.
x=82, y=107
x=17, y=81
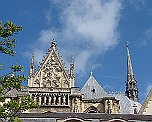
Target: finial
x=53, y=44
x=91, y=74
x=127, y=43
x=72, y=60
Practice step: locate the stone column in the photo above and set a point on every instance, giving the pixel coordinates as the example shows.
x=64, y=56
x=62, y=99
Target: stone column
x=54, y=100
x=49, y=100
x=44, y=99
x=64, y=100
x=39, y=100
x=35, y=97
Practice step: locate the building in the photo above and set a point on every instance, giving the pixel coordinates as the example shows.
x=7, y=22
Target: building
x=52, y=86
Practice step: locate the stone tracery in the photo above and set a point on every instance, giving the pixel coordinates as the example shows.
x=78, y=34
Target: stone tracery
x=52, y=73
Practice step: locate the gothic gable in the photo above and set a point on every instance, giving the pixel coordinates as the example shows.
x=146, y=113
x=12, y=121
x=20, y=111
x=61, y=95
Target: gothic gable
x=51, y=72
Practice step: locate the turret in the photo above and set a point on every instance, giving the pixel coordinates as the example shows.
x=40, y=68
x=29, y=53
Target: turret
x=131, y=84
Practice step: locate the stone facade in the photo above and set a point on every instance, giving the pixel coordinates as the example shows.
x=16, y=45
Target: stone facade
x=53, y=88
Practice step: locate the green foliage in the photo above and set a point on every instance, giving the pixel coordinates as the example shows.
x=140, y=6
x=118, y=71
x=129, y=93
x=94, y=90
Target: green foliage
x=13, y=80
x=11, y=108
x=6, y=32
x=15, y=119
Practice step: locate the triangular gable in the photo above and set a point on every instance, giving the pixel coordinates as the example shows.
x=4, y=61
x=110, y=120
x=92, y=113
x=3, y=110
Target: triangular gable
x=51, y=72
x=147, y=105
x=92, y=89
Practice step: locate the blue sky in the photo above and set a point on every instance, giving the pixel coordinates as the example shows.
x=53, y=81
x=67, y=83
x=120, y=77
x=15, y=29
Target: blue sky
x=93, y=31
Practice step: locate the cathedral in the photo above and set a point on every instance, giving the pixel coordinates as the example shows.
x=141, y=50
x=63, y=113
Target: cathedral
x=53, y=87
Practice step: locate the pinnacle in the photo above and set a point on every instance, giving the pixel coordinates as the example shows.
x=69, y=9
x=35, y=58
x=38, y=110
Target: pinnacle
x=91, y=73
x=72, y=60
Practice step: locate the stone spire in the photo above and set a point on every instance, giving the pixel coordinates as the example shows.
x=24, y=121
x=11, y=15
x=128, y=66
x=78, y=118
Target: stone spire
x=32, y=67
x=131, y=84
x=71, y=75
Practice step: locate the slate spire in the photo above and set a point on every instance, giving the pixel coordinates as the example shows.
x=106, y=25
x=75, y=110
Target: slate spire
x=131, y=84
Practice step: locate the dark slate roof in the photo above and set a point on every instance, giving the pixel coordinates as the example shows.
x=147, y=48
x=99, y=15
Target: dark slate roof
x=14, y=93
x=126, y=105
x=84, y=116
x=92, y=89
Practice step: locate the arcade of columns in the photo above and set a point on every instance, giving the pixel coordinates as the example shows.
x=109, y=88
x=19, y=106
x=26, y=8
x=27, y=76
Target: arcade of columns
x=50, y=99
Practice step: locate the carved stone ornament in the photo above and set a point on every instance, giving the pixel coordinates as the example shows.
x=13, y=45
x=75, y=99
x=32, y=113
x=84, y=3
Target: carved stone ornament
x=37, y=81
x=52, y=73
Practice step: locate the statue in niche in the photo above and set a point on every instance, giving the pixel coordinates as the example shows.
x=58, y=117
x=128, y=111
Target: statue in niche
x=75, y=108
x=52, y=73
x=109, y=110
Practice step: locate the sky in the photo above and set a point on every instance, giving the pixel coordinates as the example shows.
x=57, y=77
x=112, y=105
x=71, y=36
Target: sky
x=94, y=32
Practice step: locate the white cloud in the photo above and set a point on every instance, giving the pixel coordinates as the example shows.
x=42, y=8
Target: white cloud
x=38, y=54
x=147, y=37
x=45, y=36
x=88, y=29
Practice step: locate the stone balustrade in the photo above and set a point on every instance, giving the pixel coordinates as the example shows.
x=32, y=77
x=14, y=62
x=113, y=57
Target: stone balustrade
x=51, y=99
